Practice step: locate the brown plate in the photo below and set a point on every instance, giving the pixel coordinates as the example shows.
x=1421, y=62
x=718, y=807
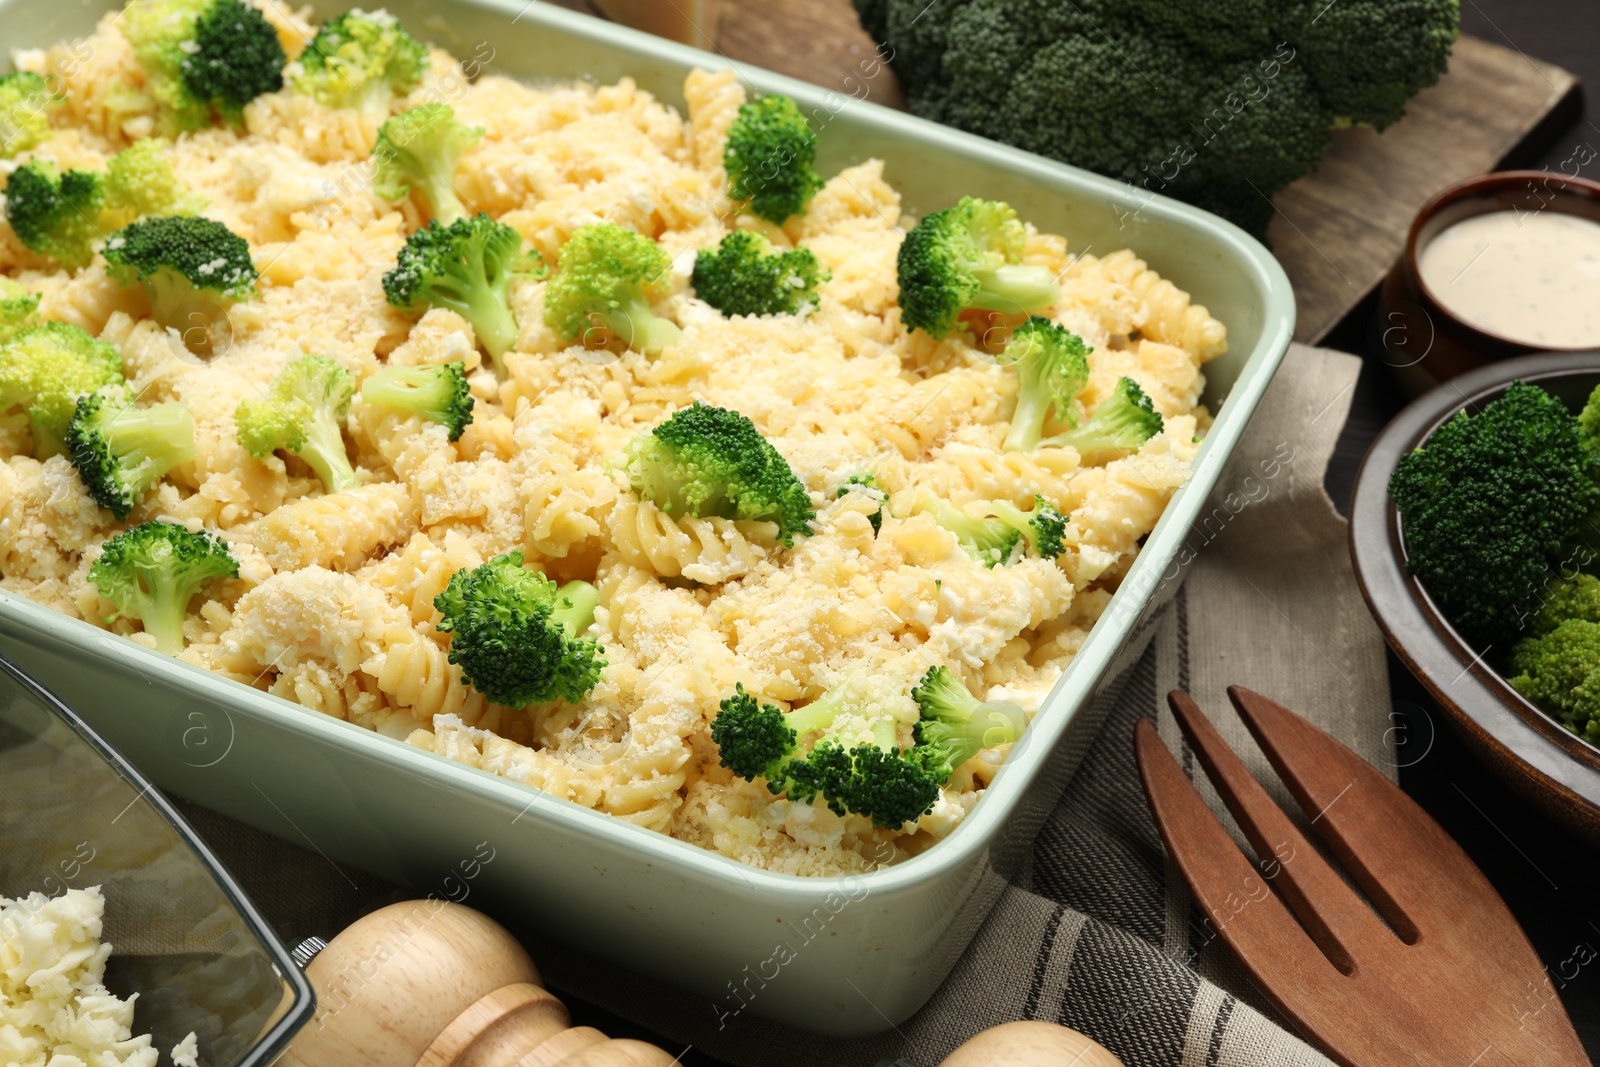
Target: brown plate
x=1556, y=770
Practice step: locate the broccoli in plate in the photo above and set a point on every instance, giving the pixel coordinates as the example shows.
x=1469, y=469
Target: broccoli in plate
x=56, y=213
x=120, y=450
x=709, y=461
x=992, y=531
x=361, y=60
x=968, y=258
x=517, y=636
x=746, y=275
x=607, y=276
x=771, y=158
x=955, y=726
x=19, y=309
x=437, y=392
x=1121, y=423
x=45, y=369
x=152, y=571
x=303, y=413
x=1052, y=365
x=204, y=59
x=419, y=149
x=183, y=261
x=24, y=120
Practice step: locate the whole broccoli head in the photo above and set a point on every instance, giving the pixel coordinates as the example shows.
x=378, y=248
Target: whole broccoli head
x=437, y=392
x=303, y=412
x=968, y=258
x=152, y=571
x=362, y=60
x=607, y=276
x=745, y=275
x=1121, y=423
x=955, y=726
x=120, y=450
x=1052, y=365
x=56, y=213
x=1488, y=501
x=1560, y=672
x=771, y=158
x=204, y=59
x=45, y=369
x=140, y=181
x=518, y=637
x=419, y=149
x=709, y=461
x=19, y=309
x=1220, y=104
x=24, y=118
x=182, y=260
x=466, y=266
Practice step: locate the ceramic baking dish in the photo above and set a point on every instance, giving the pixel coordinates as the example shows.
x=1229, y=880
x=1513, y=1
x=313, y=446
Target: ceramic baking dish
x=864, y=952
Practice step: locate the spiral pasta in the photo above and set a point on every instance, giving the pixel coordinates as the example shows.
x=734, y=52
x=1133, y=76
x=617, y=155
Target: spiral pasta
x=705, y=550
x=337, y=530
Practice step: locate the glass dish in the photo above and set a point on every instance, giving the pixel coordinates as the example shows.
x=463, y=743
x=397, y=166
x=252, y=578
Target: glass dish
x=74, y=814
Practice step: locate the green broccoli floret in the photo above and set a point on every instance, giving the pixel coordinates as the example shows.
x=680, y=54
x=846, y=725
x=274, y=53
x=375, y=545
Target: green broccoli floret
x=362, y=60
x=24, y=122
x=19, y=309
x=747, y=276
x=986, y=538
x=419, y=149
x=607, y=277
x=120, y=450
x=955, y=725
x=45, y=369
x=1044, y=529
x=517, y=637
x=56, y=214
x=205, y=59
x=466, y=266
x=709, y=461
x=874, y=778
x=771, y=158
x=1486, y=502
x=438, y=392
x=303, y=412
x=152, y=571
x=182, y=260
x=1560, y=672
x=1052, y=366
x=867, y=484
x=140, y=181
x=1124, y=420
x=1589, y=419
x=968, y=257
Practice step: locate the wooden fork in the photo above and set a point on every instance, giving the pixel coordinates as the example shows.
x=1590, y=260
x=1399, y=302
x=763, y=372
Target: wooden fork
x=1445, y=977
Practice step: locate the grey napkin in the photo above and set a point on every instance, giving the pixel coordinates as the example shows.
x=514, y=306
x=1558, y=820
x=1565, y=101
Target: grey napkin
x=1097, y=931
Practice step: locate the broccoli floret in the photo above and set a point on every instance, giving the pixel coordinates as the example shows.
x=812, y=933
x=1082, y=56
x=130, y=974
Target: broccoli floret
x=1052, y=366
x=121, y=450
x=437, y=392
x=303, y=413
x=955, y=725
x=140, y=181
x=709, y=461
x=607, y=277
x=419, y=149
x=1577, y=597
x=771, y=158
x=1560, y=672
x=56, y=214
x=45, y=369
x=986, y=538
x=19, y=309
x=968, y=257
x=24, y=123
x=362, y=60
x=747, y=276
x=875, y=778
x=466, y=266
x=1044, y=528
x=1485, y=502
x=152, y=571
x=1221, y=104
x=517, y=637
x=182, y=260
x=1124, y=420
x=867, y=484
x=205, y=59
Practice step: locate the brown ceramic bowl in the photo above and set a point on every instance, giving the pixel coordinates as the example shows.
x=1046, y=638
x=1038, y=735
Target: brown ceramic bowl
x=1556, y=770
x=1422, y=340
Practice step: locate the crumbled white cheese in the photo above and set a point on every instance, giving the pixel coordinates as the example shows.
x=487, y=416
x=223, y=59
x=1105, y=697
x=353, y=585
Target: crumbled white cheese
x=55, y=1010
x=186, y=1053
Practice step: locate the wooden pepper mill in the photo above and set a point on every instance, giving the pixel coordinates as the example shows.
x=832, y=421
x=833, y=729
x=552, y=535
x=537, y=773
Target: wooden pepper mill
x=435, y=984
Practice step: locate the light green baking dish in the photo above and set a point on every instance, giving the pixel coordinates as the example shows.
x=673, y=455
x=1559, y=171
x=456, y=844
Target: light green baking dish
x=863, y=952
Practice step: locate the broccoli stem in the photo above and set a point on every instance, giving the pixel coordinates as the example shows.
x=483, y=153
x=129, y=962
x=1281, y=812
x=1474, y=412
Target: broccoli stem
x=640, y=328
x=575, y=604
x=492, y=321
x=161, y=602
x=1027, y=420
x=1015, y=289
x=324, y=453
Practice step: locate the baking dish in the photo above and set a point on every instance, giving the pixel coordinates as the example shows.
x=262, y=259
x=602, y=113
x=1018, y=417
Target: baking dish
x=857, y=953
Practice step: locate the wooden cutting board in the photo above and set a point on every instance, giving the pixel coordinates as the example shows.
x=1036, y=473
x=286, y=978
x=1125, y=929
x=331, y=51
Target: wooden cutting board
x=1338, y=230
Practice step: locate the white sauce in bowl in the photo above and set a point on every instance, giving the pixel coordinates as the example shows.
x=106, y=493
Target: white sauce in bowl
x=1533, y=278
